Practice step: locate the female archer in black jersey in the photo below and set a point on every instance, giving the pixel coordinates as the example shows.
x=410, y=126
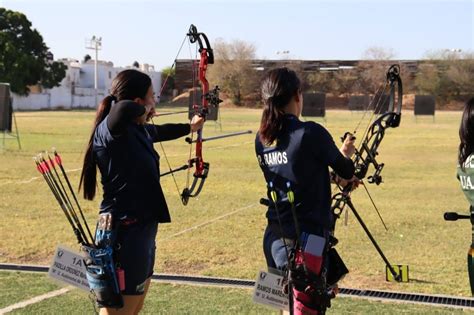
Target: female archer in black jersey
x=297, y=154
x=121, y=146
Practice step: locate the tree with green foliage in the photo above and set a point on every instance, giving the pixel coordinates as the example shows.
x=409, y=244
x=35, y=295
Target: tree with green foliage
x=24, y=57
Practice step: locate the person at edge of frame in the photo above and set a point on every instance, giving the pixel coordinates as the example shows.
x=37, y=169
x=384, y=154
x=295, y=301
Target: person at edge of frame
x=289, y=150
x=121, y=146
x=465, y=168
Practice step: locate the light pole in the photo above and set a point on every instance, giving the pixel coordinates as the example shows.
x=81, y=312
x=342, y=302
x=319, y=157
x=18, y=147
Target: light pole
x=95, y=43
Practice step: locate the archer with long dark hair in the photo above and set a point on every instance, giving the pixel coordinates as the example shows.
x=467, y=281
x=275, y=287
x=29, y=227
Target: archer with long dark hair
x=121, y=147
x=466, y=134
x=295, y=157
x=465, y=173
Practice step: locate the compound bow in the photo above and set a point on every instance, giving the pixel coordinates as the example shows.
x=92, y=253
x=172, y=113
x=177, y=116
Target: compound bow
x=209, y=100
x=365, y=155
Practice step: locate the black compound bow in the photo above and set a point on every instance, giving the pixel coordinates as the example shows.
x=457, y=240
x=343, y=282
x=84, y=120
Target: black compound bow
x=366, y=154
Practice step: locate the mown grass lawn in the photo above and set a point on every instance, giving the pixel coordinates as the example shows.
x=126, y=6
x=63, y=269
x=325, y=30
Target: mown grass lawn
x=185, y=299
x=419, y=185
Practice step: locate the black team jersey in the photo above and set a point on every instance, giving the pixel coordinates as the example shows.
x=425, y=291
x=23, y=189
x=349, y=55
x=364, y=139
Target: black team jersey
x=302, y=156
x=129, y=164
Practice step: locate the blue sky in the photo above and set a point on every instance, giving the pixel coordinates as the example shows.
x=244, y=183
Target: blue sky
x=152, y=31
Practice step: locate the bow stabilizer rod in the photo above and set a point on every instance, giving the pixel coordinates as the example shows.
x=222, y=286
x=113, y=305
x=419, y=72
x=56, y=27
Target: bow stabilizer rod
x=189, y=140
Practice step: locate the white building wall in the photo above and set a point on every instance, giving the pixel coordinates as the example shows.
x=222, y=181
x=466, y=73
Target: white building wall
x=85, y=98
x=77, y=88
x=60, y=97
x=104, y=74
x=31, y=102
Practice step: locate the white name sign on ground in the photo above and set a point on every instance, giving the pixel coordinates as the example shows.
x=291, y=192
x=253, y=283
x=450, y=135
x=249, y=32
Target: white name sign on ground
x=68, y=266
x=268, y=290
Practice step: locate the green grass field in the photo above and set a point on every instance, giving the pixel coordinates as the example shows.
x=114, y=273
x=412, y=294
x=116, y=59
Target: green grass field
x=219, y=233
x=181, y=299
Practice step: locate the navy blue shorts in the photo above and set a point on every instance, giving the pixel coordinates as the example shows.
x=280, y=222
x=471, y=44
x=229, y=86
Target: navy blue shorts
x=274, y=250
x=137, y=255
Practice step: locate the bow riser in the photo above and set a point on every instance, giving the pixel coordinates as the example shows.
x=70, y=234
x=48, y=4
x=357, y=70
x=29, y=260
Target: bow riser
x=369, y=148
x=203, y=111
x=204, y=83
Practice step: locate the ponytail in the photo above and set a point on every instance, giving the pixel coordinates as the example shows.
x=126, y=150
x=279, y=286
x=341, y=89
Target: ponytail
x=278, y=87
x=271, y=123
x=89, y=168
x=127, y=85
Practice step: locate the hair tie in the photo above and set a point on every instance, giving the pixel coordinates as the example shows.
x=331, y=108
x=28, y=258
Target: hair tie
x=112, y=98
